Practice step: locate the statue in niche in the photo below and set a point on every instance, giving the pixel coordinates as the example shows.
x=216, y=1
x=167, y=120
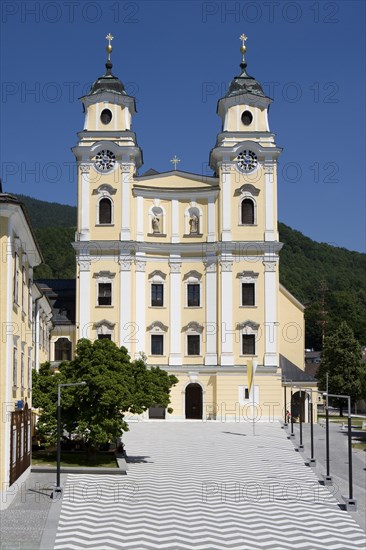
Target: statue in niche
x=193, y=224
x=156, y=224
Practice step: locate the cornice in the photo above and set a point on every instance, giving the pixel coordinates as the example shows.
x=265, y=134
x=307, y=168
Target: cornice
x=242, y=248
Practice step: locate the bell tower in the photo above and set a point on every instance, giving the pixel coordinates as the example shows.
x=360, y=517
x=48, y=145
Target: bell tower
x=107, y=153
x=245, y=153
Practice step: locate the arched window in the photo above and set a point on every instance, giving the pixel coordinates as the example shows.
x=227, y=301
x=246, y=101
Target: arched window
x=105, y=211
x=62, y=350
x=247, y=212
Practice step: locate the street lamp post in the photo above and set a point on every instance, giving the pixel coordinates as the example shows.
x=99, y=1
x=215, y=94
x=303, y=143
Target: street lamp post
x=301, y=445
x=58, y=488
x=312, y=460
x=292, y=416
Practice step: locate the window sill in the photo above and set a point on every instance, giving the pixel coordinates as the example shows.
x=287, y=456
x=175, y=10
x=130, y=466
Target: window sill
x=98, y=306
x=104, y=225
x=157, y=307
x=193, y=307
x=192, y=235
x=193, y=356
x=250, y=307
x=247, y=225
x=156, y=234
x=152, y=355
x=247, y=355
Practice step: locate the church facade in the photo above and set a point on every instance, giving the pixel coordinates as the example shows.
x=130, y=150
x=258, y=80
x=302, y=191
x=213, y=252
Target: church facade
x=184, y=268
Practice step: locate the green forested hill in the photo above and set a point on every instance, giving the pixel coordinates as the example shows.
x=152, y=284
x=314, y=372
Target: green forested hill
x=305, y=267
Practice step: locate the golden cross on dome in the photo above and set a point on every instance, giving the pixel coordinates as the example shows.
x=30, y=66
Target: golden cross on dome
x=109, y=48
x=243, y=48
x=175, y=161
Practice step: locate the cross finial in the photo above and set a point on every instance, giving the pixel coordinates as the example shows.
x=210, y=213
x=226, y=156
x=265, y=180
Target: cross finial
x=109, y=48
x=243, y=48
x=175, y=161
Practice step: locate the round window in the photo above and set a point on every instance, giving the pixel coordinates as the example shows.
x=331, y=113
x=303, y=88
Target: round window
x=246, y=118
x=106, y=116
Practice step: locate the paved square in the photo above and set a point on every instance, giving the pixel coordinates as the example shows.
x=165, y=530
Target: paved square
x=195, y=485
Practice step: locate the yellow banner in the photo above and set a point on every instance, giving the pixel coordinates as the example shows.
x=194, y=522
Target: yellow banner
x=250, y=374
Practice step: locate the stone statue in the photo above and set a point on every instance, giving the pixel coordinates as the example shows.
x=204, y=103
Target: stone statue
x=193, y=223
x=156, y=224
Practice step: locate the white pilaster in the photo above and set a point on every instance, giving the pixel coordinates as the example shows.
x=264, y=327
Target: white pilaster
x=140, y=305
x=211, y=313
x=175, y=221
x=84, y=297
x=175, y=356
x=226, y=202
x=270, y=312
x=227, y=356
x=269, y=234
x=84, y=202
x=140, y=218
x=211, y=231
x=126, y=326
x=126, y=201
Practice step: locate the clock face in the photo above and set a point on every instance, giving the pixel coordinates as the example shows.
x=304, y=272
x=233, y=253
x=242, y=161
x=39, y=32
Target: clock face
x=247, y=161
x=105, y=160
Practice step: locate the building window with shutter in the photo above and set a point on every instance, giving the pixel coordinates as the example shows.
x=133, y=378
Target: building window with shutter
x=248, y=344
x=16, y=279
x=248, y=294
x=63, y=349
x=157, y=295
x=105, y=211
x=193, y=295
x=193, y=344
x=247, y=212
x=157, y=344
x=15, y=366
x=104, y=294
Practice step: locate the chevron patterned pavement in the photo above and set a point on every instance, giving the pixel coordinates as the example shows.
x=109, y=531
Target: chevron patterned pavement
x=205, y=486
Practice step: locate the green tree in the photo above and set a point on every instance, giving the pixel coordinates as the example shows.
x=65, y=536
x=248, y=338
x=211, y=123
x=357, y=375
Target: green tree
x=115, y=385
x=341, y=359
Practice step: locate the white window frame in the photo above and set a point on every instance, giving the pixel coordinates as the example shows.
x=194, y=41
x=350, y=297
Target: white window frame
x=157, y=328
x=193, y=329
x=23, y=288
x=247, y=191
x=249, y=328
x=104, y=277
x=105, y=327
x=29, y=364
x=248, y=277
x=247, y=401
x=16, y=278
x=192, y=278
x=157, y=278
x=105, y=196
x=15, y=364
x=22, y=367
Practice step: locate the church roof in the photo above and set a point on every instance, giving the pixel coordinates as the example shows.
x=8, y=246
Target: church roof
x=107, y=83
x=244, y=84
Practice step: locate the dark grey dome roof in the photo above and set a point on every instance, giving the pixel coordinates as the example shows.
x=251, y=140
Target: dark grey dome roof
x=244, y=84
x=107, y=83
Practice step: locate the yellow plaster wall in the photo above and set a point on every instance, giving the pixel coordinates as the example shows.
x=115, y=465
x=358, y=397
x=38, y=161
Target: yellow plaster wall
x=291, y=331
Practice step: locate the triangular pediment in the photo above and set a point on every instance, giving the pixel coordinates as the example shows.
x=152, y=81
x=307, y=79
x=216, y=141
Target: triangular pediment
x=175, y=179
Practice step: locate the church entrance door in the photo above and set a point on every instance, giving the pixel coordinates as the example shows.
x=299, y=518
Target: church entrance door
x=194, y=401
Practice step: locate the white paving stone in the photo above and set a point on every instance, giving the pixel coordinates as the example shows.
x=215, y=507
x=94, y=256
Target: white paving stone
x=206, y=486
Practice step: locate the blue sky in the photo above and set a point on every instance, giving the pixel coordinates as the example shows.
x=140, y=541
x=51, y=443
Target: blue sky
x=178, y=58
